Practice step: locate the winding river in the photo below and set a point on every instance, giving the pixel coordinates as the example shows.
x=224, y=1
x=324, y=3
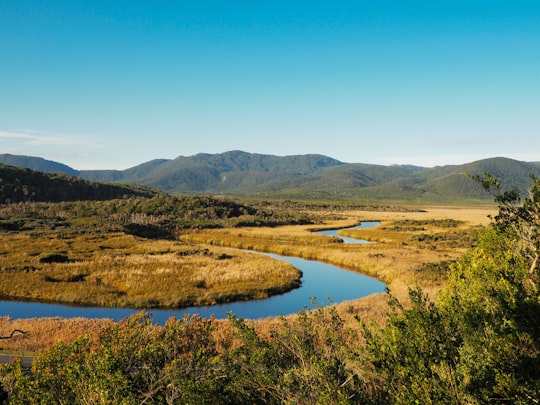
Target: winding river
x=324, y=282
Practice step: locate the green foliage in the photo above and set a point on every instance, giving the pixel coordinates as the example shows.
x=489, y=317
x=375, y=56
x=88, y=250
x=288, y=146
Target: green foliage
x=135, y=362
x=234, y=170
x=23, y=185
x=481, y=342
x=434, y=272
x=415, y=353
x=420, y=225
x=132, y=362
x=158, y=217
x=316, y=177
x=312, y=177
x=519, y=219
x=37, y=163
x=498, y=316
x=305, y=361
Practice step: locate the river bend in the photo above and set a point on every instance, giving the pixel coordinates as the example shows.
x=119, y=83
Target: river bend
x=324, y=282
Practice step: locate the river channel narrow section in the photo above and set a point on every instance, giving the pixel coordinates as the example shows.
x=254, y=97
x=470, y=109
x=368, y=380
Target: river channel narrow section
x=321, y=282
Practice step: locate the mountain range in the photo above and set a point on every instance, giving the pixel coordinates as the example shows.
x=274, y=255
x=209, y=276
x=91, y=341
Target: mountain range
x=303, y=176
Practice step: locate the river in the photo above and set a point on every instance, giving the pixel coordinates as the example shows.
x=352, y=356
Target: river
x=324, y=282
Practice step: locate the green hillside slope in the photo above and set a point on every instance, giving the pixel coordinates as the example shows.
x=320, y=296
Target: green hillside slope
x=226, y=172
x=21, y=185
x=316, y=177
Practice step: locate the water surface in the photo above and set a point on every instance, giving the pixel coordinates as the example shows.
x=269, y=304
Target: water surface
x=352, y=241
x=324, y=282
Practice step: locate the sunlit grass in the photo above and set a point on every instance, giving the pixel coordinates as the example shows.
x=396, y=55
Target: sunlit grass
x=395, y=256
x=123, y=270
x=44, y=333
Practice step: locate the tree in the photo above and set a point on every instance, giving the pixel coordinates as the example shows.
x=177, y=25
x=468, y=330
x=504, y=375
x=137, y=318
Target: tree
x=480, y=342
x=497, y=318
x=522, y=219
x=415, y=353
x=304, y=361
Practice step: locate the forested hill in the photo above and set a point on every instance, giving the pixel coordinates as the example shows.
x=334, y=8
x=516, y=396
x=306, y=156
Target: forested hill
x=320, y=177
x=232, y=171
x=22, y=184
x=308, y=177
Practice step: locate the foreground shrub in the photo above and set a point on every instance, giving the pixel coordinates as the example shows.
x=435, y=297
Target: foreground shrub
x=131, y=362
x=481, y=343
x=306, y=360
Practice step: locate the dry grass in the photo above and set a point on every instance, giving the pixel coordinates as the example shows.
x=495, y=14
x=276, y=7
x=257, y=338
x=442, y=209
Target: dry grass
x=394, y=259
x=122, y=270
x=43, y=333
x=122, y=262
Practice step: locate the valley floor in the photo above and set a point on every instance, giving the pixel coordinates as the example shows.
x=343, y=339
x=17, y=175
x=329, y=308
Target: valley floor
x=410, y=248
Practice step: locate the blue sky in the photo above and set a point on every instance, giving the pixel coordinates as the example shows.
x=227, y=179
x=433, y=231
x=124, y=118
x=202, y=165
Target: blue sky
x=111, y=84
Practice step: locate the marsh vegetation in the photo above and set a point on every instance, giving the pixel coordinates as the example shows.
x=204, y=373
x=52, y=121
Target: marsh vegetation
x=126, y=253
x=124, y=270
x=397, y=257
x=460, y=325
x=183, y=251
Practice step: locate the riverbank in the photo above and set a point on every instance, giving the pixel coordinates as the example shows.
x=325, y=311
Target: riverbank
x=319, y=280
x=119, y=270
x=411, y=247
x=405, y=254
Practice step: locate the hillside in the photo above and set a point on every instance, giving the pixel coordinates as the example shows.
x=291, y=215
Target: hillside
x=317, y=176
x=37, y=163
x=227, y=172
x=22, y=184
x=312, y=177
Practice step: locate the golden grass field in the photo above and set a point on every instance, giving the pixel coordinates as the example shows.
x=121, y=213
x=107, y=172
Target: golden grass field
x=123, y=270
x=408, y=250
x=395, y=258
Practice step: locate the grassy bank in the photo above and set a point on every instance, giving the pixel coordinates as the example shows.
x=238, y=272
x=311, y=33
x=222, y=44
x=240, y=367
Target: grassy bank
x=412, y=247
x=127, y=271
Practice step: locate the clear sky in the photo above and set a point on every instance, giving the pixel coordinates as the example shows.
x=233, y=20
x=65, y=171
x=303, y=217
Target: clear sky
x=112, y=84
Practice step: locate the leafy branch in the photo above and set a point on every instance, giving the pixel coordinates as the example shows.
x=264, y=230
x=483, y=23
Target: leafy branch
x=521, y=218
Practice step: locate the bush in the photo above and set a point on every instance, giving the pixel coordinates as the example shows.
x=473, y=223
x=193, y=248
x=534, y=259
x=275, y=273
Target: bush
x=54, y=258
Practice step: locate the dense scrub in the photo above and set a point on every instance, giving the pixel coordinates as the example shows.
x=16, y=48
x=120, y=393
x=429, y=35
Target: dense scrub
x=478, y=343
x=161, y=214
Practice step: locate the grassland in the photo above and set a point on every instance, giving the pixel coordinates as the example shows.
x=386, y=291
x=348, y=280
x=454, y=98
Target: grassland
x=411, y=247
x=204, y=266
x=127, y=271
x=125, y=253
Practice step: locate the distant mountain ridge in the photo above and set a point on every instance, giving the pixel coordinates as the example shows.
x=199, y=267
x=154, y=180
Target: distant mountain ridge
x=305, y=176
x=37, y=163
x=229, y=171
